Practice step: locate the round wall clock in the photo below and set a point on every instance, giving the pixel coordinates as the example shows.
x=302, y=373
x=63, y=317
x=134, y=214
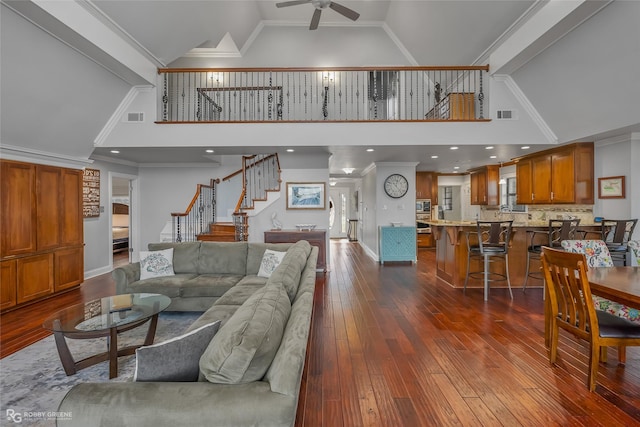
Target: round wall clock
x=396, y=185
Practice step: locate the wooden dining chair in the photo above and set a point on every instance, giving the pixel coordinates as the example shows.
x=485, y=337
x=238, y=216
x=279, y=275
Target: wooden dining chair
x=571, y=308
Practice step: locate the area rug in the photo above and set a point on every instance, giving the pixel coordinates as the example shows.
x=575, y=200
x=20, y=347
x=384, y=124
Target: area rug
x=33, y=382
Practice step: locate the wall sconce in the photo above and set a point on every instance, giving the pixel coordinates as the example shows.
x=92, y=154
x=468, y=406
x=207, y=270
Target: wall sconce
x=328, y=76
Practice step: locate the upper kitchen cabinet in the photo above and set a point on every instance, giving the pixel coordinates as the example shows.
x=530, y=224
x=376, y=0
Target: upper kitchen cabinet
x=427, y=186
x=484, y=185
x=560, y=175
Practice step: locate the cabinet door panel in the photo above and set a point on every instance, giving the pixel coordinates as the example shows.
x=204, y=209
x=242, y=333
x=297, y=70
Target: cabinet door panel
x=562, y=177
x=69, y=268
x=7, y=284
x=48, y=183
x=541, y=173
x=18, y=209
x=35, y=277
x=71, y=225
x=524, y=188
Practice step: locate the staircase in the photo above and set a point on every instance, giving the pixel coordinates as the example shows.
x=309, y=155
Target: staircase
x=260, y=174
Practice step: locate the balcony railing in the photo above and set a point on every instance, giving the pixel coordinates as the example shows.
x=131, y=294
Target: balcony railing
x=315, y=95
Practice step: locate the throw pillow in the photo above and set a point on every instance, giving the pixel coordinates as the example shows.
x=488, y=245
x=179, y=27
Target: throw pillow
x=243, y=349
x=156, y=264
x=176, y=359
x=270, y=260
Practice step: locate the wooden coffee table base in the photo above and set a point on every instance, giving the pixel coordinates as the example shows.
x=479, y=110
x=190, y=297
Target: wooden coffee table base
x=112, y=354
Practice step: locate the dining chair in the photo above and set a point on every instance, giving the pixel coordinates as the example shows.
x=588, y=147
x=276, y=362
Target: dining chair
x=634, y=252
x=491, y=239
x=616, y=234
x=597, y=255
x=571, y=308
x=558, y=230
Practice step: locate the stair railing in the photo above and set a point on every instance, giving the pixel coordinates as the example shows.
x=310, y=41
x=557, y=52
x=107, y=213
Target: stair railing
x=201, y=212
x=260, y=174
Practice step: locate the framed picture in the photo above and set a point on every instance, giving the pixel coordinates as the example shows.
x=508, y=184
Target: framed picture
x=611, y=187
x=306, y=195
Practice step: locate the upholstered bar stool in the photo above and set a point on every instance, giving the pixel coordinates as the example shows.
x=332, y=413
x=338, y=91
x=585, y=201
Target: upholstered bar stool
x=559, y=230
x=491, y=240
x=616, y=233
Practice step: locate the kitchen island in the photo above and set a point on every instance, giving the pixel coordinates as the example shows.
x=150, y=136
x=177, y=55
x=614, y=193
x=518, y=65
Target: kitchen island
x=451, y=252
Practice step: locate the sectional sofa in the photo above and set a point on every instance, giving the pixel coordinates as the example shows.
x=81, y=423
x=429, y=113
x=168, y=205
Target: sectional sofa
x=251, y=370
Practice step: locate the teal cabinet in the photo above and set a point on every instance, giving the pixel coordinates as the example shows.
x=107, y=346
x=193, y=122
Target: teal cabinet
x=397, y=244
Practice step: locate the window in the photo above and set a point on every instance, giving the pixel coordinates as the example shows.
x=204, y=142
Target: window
x=508, y=196
x=448, y=198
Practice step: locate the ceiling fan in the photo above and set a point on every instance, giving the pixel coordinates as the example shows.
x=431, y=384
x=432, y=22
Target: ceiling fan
x=320, y=5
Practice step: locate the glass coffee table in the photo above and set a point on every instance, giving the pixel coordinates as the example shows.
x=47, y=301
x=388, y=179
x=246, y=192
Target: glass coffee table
x=105, y=317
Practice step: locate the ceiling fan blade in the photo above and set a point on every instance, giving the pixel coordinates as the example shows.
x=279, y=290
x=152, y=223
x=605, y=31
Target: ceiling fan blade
x=292, y=3
x=344, y=11
x=315, y=20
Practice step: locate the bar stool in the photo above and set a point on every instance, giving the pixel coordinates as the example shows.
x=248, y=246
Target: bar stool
x=616, y=234
x=493, y=239
x=559, y=230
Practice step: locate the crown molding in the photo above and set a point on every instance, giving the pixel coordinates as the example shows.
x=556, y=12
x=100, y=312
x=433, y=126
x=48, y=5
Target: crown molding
x=22, y=154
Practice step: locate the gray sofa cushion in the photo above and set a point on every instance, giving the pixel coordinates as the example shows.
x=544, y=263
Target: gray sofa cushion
x=185, y=255
x=176, y=359
x=244, y=347
x=229, y=258
x=169, y=285
x=289, y=271
x=238, y=294
x=208, y=285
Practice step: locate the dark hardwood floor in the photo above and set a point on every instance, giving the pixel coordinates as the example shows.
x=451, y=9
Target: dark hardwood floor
x=391, y=347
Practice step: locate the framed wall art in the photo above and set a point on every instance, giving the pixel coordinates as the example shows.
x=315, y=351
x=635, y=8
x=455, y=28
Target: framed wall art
x=611, y=187
x=306, y=195
x=91, y=193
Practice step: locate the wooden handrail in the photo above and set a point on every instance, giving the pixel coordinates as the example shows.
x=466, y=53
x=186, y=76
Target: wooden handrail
x=195, y=197
x=239, y=171
x=311, y=69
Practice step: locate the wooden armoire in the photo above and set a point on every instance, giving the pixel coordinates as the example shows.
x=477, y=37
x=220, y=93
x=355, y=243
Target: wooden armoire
x=41, y=235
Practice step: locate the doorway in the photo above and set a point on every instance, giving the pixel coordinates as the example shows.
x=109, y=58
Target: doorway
x=339, y=212
x=120, y=219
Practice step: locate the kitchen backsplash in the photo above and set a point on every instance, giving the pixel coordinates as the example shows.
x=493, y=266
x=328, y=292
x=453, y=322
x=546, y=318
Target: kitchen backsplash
x=541, y=213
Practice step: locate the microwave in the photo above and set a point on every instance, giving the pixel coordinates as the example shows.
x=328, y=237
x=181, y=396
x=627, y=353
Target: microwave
x=423, y=206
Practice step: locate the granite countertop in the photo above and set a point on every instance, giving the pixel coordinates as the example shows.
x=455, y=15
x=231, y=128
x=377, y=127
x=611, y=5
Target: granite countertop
x=531, y=223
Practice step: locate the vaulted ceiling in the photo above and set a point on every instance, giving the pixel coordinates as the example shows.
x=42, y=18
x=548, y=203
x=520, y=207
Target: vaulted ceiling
x=67, y=65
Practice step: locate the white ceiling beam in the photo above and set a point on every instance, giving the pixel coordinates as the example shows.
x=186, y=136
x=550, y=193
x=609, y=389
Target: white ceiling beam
x=551, y=22
x=73, y=23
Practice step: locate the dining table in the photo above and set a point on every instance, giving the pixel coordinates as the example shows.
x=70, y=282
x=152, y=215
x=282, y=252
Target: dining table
x=619, y=284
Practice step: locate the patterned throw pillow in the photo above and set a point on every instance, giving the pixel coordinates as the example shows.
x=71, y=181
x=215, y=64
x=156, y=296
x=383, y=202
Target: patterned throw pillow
x=270, y=260
x=156, y=264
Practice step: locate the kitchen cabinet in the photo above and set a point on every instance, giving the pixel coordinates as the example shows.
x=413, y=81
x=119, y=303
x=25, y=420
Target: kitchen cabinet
x=397, y=244
x=484, y=185
x=427, y=186
x=425, y=240
x=41, y=248
x=563, y=175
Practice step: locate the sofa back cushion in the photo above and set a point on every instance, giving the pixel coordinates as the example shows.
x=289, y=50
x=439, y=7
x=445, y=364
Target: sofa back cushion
x=290, y=268
x=245, y=346
x=185, y=255
x=225, y=258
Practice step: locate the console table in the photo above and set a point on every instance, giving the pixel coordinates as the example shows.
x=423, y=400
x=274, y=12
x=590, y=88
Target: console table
x=314, y=237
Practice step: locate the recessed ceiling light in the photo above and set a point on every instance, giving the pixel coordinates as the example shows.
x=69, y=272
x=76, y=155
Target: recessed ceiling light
x=525, y=147
x=434, y=157
x=489, y=147
x=333, y=183
x=456, y=167
x=115, y=151
x=370, y=150
x=290, y=150
x=348, y=171
x=453, y=148
x=209, y=151
x=493, y=157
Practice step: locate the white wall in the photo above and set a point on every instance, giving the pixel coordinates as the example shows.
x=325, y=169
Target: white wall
x=615, y=158
x=587, y=82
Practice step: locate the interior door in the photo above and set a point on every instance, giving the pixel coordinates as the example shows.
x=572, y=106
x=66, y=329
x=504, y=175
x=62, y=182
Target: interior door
x=339, y=217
